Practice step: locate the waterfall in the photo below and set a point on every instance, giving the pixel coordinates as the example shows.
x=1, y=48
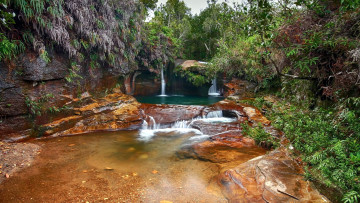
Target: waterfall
x=215, y=114
x=213, y=89
x=153, y=125
x=151, y=128
x=163, y=84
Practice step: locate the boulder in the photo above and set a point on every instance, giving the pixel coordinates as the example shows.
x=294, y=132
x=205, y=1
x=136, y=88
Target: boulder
x=115, y=111
x=274, y=177
x=223, y=148
x=167, y=114
x=252, y=113
x=186, y=64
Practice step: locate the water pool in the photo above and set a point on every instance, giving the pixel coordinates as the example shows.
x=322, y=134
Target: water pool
x=179, y=100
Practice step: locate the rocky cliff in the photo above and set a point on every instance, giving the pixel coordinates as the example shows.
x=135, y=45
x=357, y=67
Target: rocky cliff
x=73, y=49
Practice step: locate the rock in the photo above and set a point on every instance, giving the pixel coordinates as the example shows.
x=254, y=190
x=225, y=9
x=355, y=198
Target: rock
x=116, y=111
x=12, y=102
x=239, y=88
x=188, y=64
x=15, y=128
x=38, y=70
x=222, y=148
x=252, y=113
x=256, y=116
x=270, y=178
x=233, y=98
x=215, y=128
x=165, y=201
x=166, y=114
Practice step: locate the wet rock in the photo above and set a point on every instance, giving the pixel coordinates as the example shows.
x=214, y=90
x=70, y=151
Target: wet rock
x=36, y=69
x=252, y=113
x=215, y=128
x=222, y=148
x=270, y=178
x=12, y=102
x=166, y=114
x=13, y=128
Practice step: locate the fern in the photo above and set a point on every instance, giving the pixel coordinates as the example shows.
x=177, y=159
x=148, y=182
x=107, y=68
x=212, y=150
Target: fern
x=351, y=197
x=9, y=49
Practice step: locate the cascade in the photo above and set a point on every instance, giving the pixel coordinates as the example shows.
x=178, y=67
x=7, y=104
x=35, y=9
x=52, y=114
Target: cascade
x=213, y=89
x=181, y=124
x=215, y=114
x=149, y=130
x=163, y=84
x=153, y=125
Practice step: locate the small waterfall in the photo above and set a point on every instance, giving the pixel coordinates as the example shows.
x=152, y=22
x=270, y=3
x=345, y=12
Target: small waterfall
x=150, y=129
x=213, y=89
x=145, y=125
x=163, y=84
x=215, y=114
x=153, y=125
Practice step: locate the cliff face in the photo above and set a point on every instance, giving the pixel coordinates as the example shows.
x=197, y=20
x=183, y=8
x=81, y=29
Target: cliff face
x=74, y=49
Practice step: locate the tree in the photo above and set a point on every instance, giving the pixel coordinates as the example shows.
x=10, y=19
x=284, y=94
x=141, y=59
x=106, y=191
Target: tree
x=149, y=4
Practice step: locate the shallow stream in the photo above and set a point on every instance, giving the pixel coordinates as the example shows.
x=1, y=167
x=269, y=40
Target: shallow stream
x=124, y=166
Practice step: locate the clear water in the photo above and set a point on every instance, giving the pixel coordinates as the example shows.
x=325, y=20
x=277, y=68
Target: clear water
x=116, y=167
x=179, y=100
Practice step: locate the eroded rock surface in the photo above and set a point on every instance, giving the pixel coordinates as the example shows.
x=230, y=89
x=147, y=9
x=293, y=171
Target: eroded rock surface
x=166, y=114
x=253, y=114
x=270, y=178
x=116, y=111
x=223, y=148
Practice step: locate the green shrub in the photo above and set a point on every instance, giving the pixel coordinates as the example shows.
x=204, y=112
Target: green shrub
x=327, y=140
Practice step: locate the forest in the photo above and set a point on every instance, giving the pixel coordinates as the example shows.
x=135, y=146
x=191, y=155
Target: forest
x=303, y=54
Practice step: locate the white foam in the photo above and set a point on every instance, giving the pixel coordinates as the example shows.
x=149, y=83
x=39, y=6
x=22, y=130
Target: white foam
x=199, y=137
x=218, y=120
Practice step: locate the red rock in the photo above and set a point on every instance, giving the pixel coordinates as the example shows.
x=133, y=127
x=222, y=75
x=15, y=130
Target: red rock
x=114, y=112
x=268, y=178
x=223, y=148
x=166, y=114
x=240, y=88
x=252, y=113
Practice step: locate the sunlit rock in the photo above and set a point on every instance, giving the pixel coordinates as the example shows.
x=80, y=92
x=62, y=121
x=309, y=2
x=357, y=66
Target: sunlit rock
x=271, y=178
x=113, y=112
x=222, y=148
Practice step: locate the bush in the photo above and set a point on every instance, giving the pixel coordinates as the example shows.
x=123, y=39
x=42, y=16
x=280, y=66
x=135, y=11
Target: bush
x=327, y=140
